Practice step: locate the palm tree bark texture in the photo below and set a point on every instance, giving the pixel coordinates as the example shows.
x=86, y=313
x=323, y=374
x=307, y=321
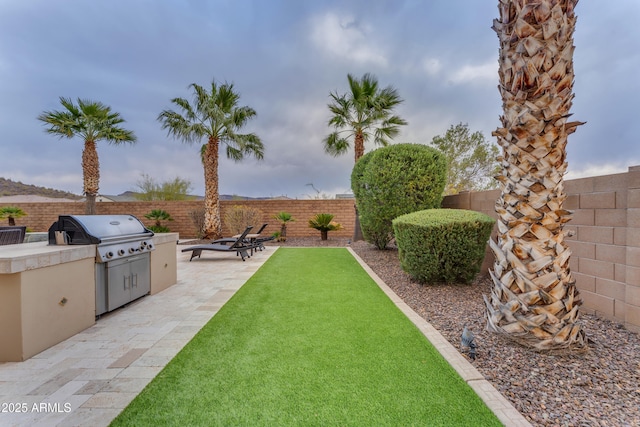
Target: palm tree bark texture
x=534, y=299
x=91, y=175
x=212, y=222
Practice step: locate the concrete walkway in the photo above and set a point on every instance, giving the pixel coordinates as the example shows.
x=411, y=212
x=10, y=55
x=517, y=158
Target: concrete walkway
x=89, y=378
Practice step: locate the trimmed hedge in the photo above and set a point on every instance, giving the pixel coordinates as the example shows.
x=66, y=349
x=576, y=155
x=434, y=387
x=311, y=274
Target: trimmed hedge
x=442, y=245
x=395, y=180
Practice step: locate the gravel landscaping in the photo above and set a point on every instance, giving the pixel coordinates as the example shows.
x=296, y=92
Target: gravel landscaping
x=600, y=387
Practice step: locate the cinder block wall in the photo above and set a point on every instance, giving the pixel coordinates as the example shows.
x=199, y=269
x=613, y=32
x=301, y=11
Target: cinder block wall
x=605, y=246
x=40, y=216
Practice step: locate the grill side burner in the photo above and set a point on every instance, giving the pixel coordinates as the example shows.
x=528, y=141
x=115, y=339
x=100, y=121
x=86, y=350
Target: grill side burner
x=123, y=261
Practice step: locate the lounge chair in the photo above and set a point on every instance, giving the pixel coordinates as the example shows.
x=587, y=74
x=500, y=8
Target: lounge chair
x=255, y=239
x=252, y=239
x=13, y=234
x=259, y=240
x=249, y=237
x=239, y=246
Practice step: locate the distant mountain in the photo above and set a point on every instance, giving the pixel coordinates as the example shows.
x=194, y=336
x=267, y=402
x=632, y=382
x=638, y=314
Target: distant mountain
x=132, y=196
x=235, y=197
x=13, y=188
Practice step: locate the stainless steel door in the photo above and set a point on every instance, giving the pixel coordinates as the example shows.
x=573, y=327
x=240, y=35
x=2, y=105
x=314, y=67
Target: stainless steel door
x=118, y=283
x=128, y=279
x=140, y=276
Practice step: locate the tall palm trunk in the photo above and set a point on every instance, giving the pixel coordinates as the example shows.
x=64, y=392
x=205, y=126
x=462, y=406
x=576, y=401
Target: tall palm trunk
x=91, y=175
x=212, y=224
x=358, y=146
x=534, y=299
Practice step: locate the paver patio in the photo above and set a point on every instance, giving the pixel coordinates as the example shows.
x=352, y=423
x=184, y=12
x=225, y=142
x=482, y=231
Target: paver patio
x=89, y=378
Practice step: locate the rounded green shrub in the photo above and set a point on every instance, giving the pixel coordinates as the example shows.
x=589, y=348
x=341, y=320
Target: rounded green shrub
x=395, y=180
x=442, y=245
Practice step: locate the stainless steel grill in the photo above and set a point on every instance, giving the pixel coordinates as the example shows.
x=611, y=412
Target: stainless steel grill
x=123, y=246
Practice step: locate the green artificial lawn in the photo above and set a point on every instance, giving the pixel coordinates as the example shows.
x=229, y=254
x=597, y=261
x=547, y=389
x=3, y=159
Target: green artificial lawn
x=309, y=340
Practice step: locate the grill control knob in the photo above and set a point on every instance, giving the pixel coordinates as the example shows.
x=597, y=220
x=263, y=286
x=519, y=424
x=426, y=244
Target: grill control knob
x=149, y=246
x=109, y=254
x=121, y=252
x=131, y=250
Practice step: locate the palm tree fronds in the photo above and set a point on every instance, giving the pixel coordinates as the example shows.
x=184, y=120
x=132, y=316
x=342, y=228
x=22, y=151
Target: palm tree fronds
x=252, y=145
x=336, y=146
x=364, y=113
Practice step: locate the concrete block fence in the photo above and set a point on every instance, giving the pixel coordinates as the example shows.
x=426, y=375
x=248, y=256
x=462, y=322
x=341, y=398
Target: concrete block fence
x=605, y=244
x=40, y=216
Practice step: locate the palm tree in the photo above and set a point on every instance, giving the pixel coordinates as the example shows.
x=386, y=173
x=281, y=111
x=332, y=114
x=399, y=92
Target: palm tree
x=534, y=299
x=11, y=213
x=92, y=121
x=283, y=218
x=363, y=114
x=214, y=117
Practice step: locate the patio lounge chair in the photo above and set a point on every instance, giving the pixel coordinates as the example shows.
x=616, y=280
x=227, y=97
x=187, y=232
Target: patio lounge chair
x=259, y=240
x=239, y=246
x=255, y=239
x=252, y=239
x=12, y=235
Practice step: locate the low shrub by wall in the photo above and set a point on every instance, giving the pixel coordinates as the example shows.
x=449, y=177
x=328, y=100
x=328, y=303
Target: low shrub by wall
x=442, y=245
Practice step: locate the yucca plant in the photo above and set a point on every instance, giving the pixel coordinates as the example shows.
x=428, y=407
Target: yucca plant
x=324, y=223
x=283, y=218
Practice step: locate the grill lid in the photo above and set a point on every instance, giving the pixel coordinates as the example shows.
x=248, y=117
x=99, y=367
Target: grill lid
x=96, y=229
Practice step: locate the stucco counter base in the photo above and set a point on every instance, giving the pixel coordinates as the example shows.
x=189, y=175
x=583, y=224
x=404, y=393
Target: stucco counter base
x=48, y=292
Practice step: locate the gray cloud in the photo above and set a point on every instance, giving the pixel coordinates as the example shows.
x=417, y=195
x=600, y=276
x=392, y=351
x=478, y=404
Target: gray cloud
x=284, y=58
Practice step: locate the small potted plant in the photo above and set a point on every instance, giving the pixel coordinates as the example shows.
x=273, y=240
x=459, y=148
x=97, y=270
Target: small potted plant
x=325, y=223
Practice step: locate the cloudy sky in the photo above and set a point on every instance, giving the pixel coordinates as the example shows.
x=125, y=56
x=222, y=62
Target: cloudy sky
x=284, y=58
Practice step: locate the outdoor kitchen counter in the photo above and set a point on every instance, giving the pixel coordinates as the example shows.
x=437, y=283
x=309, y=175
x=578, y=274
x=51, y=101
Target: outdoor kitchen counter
x=48, y=292
x=29, y=256
x=164, y=263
